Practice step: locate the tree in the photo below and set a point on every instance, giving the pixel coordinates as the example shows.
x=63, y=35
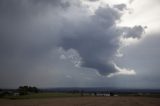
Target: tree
x=24, y=90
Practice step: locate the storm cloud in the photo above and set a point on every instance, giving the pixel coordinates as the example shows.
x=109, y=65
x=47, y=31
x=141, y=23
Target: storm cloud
x=98, y=39
x=32, y=31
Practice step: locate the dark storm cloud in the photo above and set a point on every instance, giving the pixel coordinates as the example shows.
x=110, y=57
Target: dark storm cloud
x=28, y=8
x=61, y=3
x=97, y=42
x=22, y=26
x=31, y=29
x=25, y=41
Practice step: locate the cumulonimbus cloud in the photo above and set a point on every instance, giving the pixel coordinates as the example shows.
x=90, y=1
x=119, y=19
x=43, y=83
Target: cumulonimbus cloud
x=98, y=40
x=30, y=29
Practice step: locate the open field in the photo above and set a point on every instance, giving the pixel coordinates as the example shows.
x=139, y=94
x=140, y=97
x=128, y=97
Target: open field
x=42, y=95
x=84, y=101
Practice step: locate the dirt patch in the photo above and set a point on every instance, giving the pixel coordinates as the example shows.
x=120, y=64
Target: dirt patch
x=85, y=101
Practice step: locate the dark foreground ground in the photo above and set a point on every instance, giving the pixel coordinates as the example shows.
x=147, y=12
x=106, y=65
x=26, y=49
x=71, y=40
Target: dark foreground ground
x=84, y=101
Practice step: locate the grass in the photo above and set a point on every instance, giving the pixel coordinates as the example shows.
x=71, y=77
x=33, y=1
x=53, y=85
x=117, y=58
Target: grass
x=43, y=95
x=62, y=95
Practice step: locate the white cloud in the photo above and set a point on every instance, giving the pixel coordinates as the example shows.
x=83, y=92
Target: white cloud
x=122, y=71
x=71, y=55
x=146, y=16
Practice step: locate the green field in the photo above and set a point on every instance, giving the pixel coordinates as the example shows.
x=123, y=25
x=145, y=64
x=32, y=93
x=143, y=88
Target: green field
x=63, y=95
x=42, y=95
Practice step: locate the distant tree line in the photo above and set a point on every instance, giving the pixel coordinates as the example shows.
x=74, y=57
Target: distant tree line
x=24, y=90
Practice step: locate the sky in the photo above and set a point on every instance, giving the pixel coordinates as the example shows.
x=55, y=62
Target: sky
x=80, y=43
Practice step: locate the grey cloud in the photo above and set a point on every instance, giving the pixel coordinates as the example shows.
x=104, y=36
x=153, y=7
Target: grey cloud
x=94, y=48
x=145, y=58
x=61, y=3
x=26, y=41
x=106, y=17
x=121, y=7
x=93, y=0
x=98, y=40
x=134, y=32
x=130, y=1
x=25, y=9
x=32, y=29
